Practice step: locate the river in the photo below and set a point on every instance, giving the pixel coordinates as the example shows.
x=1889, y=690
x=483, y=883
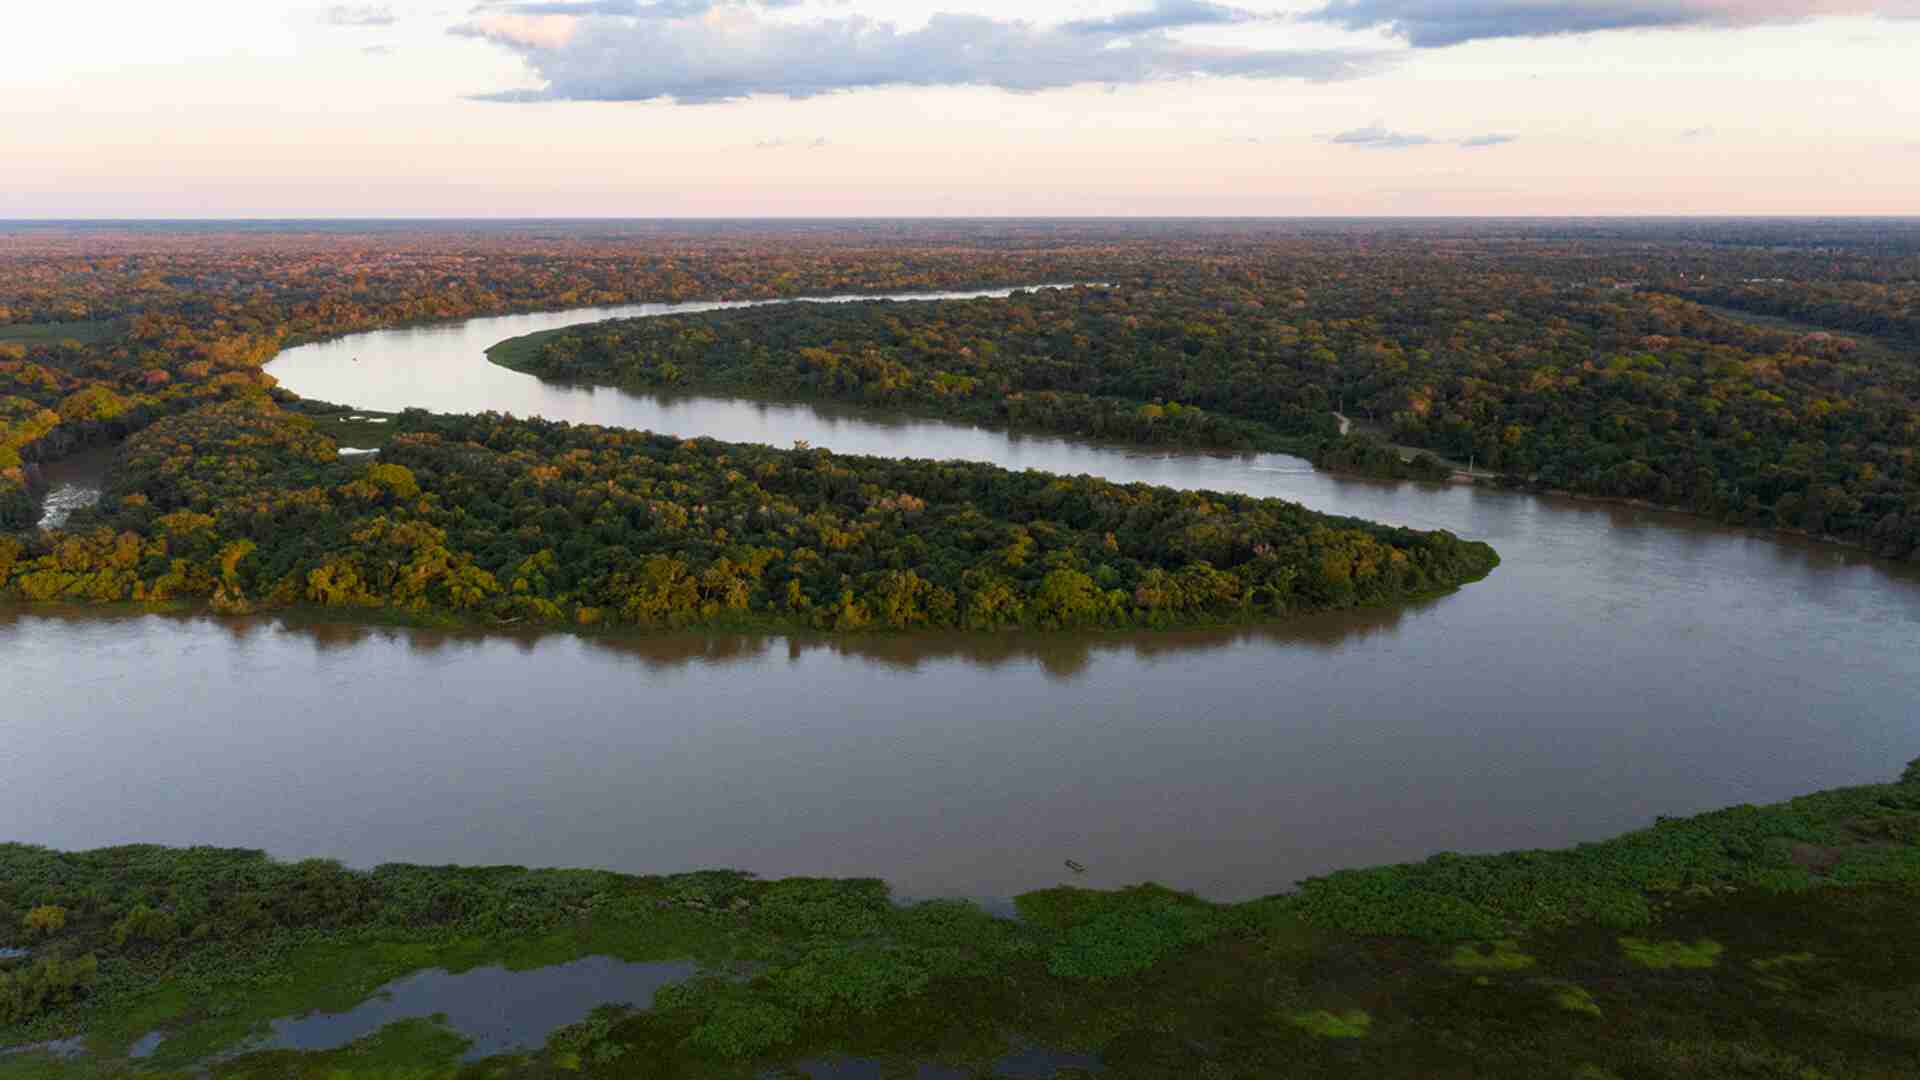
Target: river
x=1620, y=664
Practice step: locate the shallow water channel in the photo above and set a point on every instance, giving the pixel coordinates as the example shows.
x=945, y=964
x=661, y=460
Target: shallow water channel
x=1620, y=664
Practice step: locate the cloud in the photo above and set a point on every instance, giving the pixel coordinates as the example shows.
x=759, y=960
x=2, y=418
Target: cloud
x=735, y=53
x=1692, y=134
x=1428, y=24
x=1163, y=15
x=1379, y=138
x=377, y=50
x=358, y=15
x=783, y=143
x=635, y=9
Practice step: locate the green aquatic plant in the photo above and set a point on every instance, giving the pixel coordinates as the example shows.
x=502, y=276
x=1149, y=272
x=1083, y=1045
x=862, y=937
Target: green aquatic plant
x=1576, y=999
x=743, y=1029
x=1615, y=883
x=574, y=1045
x=1124, y=943
x=1350, y=1024
x=1662, y=955
x=1493, y=956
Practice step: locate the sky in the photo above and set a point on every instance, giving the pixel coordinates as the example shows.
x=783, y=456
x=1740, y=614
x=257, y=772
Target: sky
x=760, y=108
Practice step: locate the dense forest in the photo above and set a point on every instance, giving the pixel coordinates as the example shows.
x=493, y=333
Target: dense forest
x=1578, y=356
x=246, y=505
x=103, y=330
x=1606, y=388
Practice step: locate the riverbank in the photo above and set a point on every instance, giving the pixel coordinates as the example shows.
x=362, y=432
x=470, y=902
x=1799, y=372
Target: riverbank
x=1754, y=941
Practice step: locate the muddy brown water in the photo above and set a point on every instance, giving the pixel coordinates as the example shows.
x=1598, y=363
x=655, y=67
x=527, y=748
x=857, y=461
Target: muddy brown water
x=1620, y=664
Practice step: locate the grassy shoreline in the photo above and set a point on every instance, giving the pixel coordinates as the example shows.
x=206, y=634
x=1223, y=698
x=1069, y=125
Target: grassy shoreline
x=1753, y=941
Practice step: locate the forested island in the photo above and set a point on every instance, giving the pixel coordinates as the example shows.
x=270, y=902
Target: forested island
x=249, y=506
x=1772, y=941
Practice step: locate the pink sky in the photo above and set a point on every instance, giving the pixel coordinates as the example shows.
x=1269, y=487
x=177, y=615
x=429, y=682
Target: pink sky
x=1151, y=107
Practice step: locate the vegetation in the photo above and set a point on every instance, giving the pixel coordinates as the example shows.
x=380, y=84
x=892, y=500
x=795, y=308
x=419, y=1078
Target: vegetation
x=1751, y=953
x=1565, y=356
x=1594, y=386
x=1776, y=941
x=246, y=505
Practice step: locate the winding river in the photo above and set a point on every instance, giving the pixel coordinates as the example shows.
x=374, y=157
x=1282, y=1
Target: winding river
x=1621, y=664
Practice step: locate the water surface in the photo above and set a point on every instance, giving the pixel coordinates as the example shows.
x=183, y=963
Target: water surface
x=73, y=483
x=497, y=1010
x=1620, y=664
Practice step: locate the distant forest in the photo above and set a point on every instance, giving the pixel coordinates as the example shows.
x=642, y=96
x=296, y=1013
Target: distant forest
x=1764, y=373
x=1600, y=384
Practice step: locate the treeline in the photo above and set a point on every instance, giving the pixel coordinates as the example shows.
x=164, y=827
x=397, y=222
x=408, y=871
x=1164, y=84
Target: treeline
x=1600, y=388
x=246, y=506
x=1886, y=312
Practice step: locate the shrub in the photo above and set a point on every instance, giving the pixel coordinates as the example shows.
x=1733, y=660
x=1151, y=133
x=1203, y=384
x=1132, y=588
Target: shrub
x=49, y=983
x=144, y=924
x=46, y=919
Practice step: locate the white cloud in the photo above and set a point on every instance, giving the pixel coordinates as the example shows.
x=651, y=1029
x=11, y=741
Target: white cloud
x=733, y=52
x=358, y=15
x=1438, y=23
x=1379, y=138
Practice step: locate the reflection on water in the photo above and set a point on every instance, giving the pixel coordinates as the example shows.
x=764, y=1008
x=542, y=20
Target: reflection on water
x=497, y=1010
x=1620, y=664
x=1064, y=656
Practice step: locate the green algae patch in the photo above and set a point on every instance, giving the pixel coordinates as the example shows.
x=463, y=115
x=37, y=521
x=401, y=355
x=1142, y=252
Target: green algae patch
x=1664, y=955
x=1493, y=956
x=1576, y=999
x=1350, y=1024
